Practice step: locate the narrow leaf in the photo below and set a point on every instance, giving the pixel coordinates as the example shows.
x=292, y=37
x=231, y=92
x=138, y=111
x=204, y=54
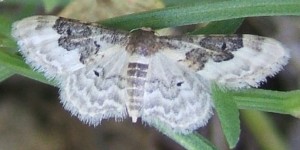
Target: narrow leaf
x=193, y=141
x=220, y=27
x=228, y=114
x=17, y=65
x=269, y=101
x=51, y=4
x=5, y=73
x=202, y=13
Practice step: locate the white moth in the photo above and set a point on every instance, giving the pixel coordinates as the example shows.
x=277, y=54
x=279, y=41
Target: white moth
x=105, y=73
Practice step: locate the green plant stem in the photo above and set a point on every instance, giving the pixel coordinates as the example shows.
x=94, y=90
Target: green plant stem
x=262, y=128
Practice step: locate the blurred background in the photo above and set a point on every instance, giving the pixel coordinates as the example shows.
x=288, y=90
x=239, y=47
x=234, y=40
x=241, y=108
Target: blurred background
x=32, y=117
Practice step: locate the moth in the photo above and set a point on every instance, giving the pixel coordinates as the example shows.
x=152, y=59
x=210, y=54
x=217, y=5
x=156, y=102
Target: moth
x=104, y=73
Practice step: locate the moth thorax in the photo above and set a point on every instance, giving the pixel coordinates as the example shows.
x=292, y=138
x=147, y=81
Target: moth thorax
x=142, y=42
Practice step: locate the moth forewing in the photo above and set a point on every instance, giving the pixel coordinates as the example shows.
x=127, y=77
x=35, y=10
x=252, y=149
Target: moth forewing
x=106, y=73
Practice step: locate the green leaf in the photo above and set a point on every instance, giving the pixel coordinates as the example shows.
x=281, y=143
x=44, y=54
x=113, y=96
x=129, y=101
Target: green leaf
x=21, y=8
x=6, y=42
x=5, y=26
x=5, y=73
x=269, y=101
x=228, y=114
x=5, y=30
x=169, y=3
x=263, y=100
x=253, y=99
x=193, y=141
x=16, y=64
x=204, y=12
x=220, y=27
x=51, y=4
